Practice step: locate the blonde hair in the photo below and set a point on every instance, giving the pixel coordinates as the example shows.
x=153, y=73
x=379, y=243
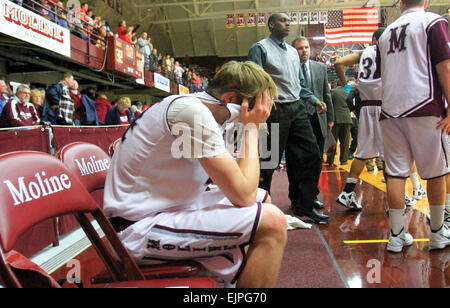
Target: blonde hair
x=125, y=102
x=246, y=79
x=35, y=92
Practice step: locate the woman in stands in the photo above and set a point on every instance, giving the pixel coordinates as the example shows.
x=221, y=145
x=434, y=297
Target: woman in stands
x=120, y=115
x=37, y=101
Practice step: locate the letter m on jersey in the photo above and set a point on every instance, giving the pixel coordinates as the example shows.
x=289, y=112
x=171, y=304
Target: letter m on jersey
x=397, y=40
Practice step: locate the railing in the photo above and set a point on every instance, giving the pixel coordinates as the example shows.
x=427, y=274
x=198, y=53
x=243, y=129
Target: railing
x=91, y=35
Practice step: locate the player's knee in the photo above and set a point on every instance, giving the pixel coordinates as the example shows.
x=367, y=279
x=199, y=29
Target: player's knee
x=273, y=224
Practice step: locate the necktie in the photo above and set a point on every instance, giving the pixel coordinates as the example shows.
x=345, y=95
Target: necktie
x=310, y=108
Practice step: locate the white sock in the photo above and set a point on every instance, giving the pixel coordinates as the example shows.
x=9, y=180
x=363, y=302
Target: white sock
x=437, y=216
x=447, y=203
x=396, y=220
x=415, y=180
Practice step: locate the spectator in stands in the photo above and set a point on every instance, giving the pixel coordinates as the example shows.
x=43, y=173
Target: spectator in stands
x=196, y=82
x=19, y=111
x=120, y=115
x=89, y=113
x=154, y=60
x=36, y=100
x=178, y=71
x=140, y=106
x=135, y=113
x=46, y=10
x=122, y=30
x=79, y=107
x=144, y=45
x=53, y=97
x=101, y=40
x=61, y=19
x=103, y=106
x=204, y=82
x=4, y=96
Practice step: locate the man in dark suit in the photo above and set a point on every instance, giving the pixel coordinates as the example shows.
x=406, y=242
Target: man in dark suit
x=316, y=78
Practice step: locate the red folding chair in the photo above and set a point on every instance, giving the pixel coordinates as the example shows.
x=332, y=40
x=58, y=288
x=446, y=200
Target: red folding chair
x=36, y=186
x=76, y=157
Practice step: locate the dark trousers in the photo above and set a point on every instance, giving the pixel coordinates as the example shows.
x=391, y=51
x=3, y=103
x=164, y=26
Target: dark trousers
x=303, y=162
x=341, y=133
x=354, y=134
x=315, y=124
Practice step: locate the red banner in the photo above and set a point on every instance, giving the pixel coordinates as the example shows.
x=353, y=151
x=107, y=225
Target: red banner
x=101, y=136
x=34, y=139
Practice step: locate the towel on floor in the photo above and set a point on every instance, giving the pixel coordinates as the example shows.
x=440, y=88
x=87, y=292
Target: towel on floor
x=295, y=223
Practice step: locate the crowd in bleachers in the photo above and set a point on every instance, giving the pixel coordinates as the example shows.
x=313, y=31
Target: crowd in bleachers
x=83, y=23
x=63, y=104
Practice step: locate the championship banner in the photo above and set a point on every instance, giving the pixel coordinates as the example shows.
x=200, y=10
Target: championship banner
x=162, y=83
x=304, y=18
x=240, y=21
x=27, y=26
x=313, y=18
x=261, y=19
x=251, y=22
x=182, y=89
x=294, y=18
x=230, y=21
x=323, y=17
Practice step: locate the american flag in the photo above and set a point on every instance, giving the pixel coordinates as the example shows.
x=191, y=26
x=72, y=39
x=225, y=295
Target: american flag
x=351, y=26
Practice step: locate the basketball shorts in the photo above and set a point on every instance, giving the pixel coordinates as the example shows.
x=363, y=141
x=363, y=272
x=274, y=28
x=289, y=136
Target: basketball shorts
x=370, y=139
x=415, y=139
x=214, y=233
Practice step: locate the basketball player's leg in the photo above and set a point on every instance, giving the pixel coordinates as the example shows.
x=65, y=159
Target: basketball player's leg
x=266, y=252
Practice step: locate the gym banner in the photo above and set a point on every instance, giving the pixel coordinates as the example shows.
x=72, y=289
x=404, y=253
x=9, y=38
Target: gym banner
x=162, y=83
x=27, y=26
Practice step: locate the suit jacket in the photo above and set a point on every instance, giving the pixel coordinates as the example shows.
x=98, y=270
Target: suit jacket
x=341, y=111
x=321, y=90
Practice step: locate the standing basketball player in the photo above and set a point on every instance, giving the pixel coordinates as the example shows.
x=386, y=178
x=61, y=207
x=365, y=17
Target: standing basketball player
x=155, y=191
x=415, y=69
x=370, y=141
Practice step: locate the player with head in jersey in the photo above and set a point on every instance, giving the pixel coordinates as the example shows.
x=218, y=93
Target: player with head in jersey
x=370, y=141
x=414, y=58
x=156, y=189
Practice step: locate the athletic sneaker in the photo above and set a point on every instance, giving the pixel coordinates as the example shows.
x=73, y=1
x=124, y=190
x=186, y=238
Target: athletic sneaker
x=396, y=243
x=419, y=193
x=348, y=200
x=440, y=239
x=410, y=201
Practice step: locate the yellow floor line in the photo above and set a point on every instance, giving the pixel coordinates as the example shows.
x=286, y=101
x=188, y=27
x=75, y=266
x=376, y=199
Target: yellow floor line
x=380, y=241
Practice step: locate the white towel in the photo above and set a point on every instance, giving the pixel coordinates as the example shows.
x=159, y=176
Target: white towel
x=295, y=223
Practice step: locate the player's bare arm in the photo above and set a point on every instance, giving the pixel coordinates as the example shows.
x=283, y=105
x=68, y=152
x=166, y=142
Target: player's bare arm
x=239, y=180
x=346, y=61
x=443, y=71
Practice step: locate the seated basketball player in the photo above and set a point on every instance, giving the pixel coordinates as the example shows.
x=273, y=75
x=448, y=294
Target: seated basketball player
x=156, y=187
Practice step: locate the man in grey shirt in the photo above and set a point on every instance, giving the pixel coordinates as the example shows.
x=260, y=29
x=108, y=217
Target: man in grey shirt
x=296, y=137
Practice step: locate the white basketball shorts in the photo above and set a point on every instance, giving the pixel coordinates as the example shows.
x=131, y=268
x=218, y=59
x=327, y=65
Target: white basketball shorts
x=214, y=234
x=370, y=139
x=415, y=139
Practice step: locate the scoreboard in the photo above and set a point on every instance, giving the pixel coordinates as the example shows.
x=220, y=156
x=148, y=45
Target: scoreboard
x=124, y=59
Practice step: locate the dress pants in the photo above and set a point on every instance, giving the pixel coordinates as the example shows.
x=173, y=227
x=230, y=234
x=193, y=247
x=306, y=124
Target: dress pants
x=341, y=133
x=315, y=124
x=303, y=163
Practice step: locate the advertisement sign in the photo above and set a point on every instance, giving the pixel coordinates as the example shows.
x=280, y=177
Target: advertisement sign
x=182, y=89
x=27, y=26
x=162, y=83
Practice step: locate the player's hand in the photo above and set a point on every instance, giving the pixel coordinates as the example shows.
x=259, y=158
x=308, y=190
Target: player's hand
x=322, y=107
x=260, y=111
x=444, y=125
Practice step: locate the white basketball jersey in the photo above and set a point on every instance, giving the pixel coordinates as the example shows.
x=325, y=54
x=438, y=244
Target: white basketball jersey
x=145, y=178
x=408, y=48
x=369, y=85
